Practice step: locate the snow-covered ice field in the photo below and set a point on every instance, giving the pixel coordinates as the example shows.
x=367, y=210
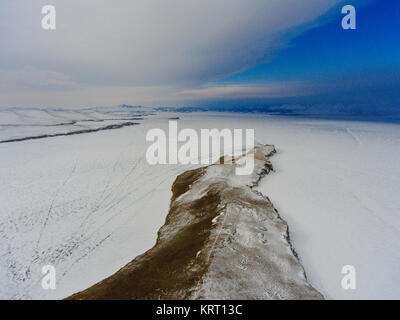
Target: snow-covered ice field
x=90, y=203
x=86, y=204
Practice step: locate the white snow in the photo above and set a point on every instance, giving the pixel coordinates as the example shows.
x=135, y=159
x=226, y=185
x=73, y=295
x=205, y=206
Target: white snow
x=336, y=184
x=87, y=204
x=251, y=255
x=90, y=203
x=18, y=123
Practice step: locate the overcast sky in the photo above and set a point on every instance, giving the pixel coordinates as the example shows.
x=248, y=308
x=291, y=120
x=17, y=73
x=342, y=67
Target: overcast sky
x=175, y=52
x=109, y=52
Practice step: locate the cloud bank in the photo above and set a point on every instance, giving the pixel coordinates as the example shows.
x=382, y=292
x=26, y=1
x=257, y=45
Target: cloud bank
x=143, y=51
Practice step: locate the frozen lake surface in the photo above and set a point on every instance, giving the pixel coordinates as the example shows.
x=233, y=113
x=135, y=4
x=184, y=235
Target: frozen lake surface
x=89, y=203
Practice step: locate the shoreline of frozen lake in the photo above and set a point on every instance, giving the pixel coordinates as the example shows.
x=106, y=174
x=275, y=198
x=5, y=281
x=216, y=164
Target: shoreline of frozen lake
x=335, y=183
